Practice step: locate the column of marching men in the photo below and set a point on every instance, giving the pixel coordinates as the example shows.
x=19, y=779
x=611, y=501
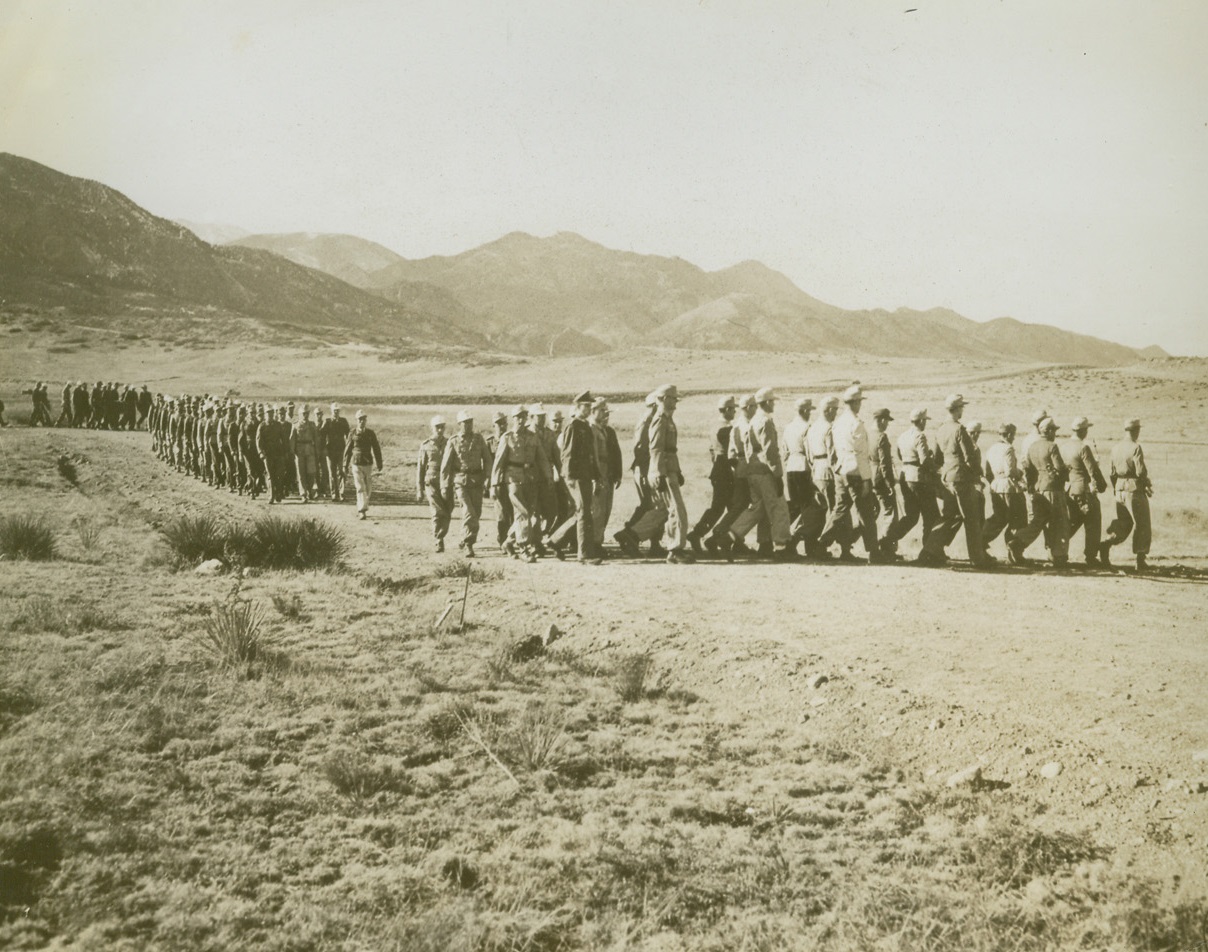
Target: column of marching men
x=815, y=490
x=812, y=492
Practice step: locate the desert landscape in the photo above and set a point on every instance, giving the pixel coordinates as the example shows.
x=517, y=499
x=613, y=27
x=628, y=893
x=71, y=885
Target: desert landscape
x=228, y=725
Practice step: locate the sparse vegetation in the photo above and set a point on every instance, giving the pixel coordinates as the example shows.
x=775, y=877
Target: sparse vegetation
x=271, y=542
x=41, y=613
x=195, y=539
x=357, y=777
x=288, y=606
x=67, y=469
x=630, y=676
x=235, y=637
x=26, y=537
x=88, y=530
x=462, y=568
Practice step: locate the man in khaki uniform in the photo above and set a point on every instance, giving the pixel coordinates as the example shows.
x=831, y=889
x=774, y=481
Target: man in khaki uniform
x=1008, y=512
x=884, y=480
x=961, y=500
x=648, y=517
x=1046, y=474
x=579, y=469
x=721, y=475
x=799, y=484
x=465, y=465
x=609, y=469
x=720, y=540
x=302, y=440
x=819, y=439
x=665, y=472
x=503, y=505
x=853, y=481
x=765, y=479
x=361, y=455
x=427, y=481
x=517, y=461
x=1086, y=482
x=1130, y=480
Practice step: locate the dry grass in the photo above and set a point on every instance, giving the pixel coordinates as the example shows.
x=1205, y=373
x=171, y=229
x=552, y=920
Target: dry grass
x=26, y=537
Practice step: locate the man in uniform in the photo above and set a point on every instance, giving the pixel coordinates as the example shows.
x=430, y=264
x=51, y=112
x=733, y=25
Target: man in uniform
x=579, y=469
x=1046, y=474
x=1008, y=512
x=765, y=480
x=144, y=404
x=883, y=481
x=516, y=462
x=465, y=466
x=361, y=454
x=427, y=480
x=721, y=475
x=503, y=504
x=65, y=417
x=819, y=440
x=853, y=481
x=321, y=481
x=1130, y=480
x=648, y=517
x=665, y=472
x=609, y=469
x=247, y=450
x=798, y=481
x=960, y=498
x=721, y=540
x=230, y=449
x=1086, y=482
x=336, y=436
x=545, y=484
x=302, y=444
x=267, y=448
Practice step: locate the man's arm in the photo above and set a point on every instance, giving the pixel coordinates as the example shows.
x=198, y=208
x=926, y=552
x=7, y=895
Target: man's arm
x=658, y=446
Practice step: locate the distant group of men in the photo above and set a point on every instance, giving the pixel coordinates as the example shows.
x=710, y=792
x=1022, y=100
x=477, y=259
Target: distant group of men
x=101, y=406
x=273, y=450
x=821, y=484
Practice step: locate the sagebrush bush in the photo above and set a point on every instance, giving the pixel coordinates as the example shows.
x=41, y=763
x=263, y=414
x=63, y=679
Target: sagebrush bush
x=195, y=539
x=26, y=537
x=629, y=677
x=234, y=634
x=355, y=776
x=88, y=530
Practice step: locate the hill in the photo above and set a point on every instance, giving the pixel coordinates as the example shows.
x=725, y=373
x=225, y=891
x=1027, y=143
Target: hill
x=345, y=257
x=81, y=247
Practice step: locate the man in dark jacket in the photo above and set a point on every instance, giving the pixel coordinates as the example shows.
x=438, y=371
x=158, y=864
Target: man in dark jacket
x=360, y=455
x=579, y=469
x=609, y=469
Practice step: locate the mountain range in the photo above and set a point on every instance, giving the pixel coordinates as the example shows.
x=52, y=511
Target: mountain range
x=77, y=245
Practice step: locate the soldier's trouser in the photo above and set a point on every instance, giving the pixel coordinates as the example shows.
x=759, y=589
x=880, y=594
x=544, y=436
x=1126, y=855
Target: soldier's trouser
x=580, y=520
x=335, y=475
x=1057, y=527
x=469, y=497
x=672, y=500
x=806, y=517
x=887, y=509
x=362, y=479
x=849, y=495
x=64, y=415
x=545, y=492
x=601, y=510
x=1008, y=512
x=648, y=519
x=270, y=477
x=504, y=516
x=1039, y=513
x=1132, y=510
x=518, y=501
x=321, y=474
x=1085, y=514
x=441, y=514
x=250, y=465
x=961, y=505
x=723, y=489
x=237, y=478
x=766, y=503
x=740, y=502
x=307, y=468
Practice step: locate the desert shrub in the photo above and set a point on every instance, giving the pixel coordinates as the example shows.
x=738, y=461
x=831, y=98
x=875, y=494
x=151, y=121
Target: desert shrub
x=461, y=569
x=26, y=537
x=234, y=634
x=357, y=777
x=88, y=530
x=630, y=675
x=275, y=542
x=195, y=539
x=445, y=723
x=16, y=701
x=288, y=606
x=67, y=469
x=1010, y=855
x=537, y=738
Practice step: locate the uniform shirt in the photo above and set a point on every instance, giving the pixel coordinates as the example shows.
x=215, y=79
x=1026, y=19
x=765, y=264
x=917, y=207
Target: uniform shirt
x=1002, y=468
x=465, y=459
x=1045, y=469
x=578, y=450
x=609, y=465
x=336, y=430
x=1085, y=476
x=641, y=444
x=956, y=453
x=518, y=457
x=302, y=437
x=664, y=445
x=719, y=452
x=427, y=470
x=852, y=455
x=819, y=439
x=738, y=445
x=882, y=462
x=763, y=446
x=796, y=452
x=362, y=448
x=1128, y=467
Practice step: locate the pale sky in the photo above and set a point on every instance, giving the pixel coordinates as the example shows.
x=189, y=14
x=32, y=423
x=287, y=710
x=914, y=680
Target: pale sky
x=1044, y=160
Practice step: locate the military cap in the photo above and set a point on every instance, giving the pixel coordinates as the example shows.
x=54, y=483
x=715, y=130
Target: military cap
x=1038, y=416
x=438, y=420
x=500, y=417
x=954, y=400
x=600, y=404
x=360, y=414
x=1080, y=423
x=537, y=409
x=974, y=426
x=804, y=403
x=830, y=403
x=882, y=412
x=652, y=398
x=726, y=403
x=918, y=413
x=1048, y=423
x=764, y=394
x=464, y=415
x=519, y=410
x=305, y=410
x=1132, y=424
x=290, y=404
x=747, y=401
x=1007, y=430
x=335, y=407
x=853, y=393
x=666, y=390
x=584, y=397
x=557, y=415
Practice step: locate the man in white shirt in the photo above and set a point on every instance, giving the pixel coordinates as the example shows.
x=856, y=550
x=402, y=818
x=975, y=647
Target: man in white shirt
x=853, y=478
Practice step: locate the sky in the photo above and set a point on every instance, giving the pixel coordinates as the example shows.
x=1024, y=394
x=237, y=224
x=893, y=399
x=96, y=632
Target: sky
x=1042, y=160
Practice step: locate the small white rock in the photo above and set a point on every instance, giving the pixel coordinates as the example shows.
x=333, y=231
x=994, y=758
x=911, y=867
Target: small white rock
x=212, y=567
x=1051, y=770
